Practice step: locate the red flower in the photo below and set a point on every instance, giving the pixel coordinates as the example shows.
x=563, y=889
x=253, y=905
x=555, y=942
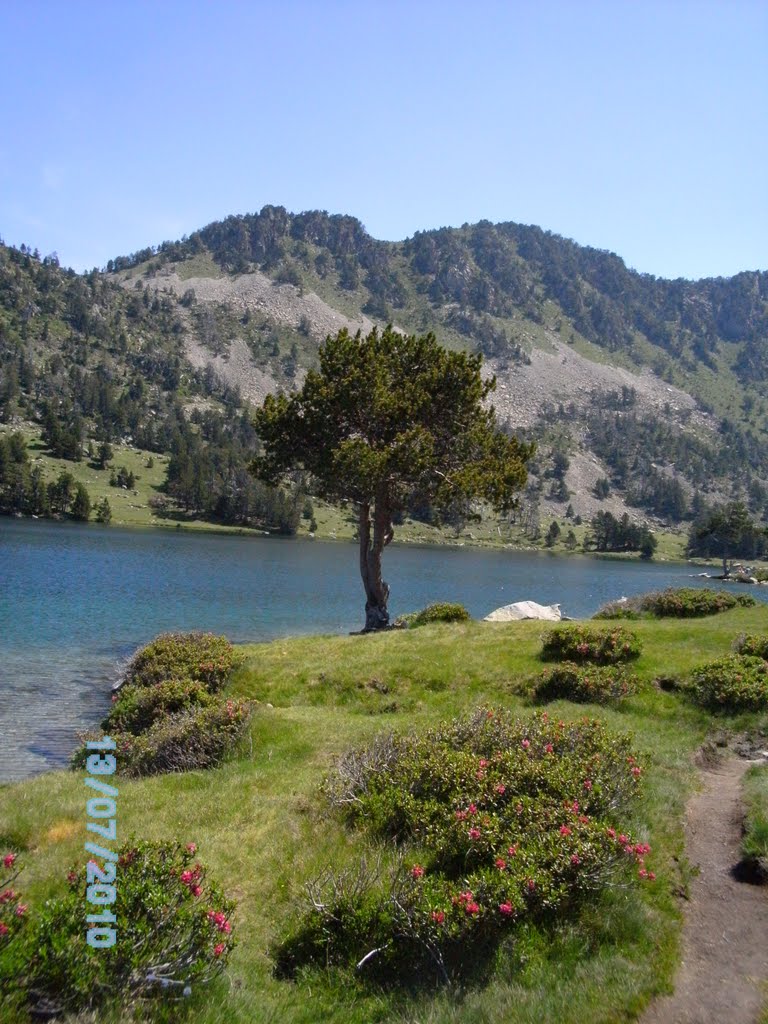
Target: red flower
x=8, y=860
x=500, y=863
x=219, y=949
x=471, y=908
x=417, y=871
x=548, y=748
x=8, y=896
x=196, y=890
x=71, y=877
x=506, y=908
x=438, y=916
x=564, y=830
x=611, y=833
x=531, y=885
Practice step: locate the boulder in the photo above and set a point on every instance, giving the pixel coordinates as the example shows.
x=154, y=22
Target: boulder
x=525, y=610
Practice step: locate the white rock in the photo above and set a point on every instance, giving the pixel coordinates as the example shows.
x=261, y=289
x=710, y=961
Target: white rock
x=525, y=610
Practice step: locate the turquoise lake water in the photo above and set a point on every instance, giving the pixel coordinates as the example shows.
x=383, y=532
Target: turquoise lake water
x=76, y=601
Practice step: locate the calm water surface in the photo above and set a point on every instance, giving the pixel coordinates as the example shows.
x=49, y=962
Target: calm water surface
x=76, y=601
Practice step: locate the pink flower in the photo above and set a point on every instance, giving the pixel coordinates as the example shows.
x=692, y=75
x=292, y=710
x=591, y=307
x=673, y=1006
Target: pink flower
x=480, y=774
x=500, y=863
x=474, y=833
x=623, y=839
x=417, y=871
x=4, y=929
x=483, y=763
x=506, y=908
x=219, y=949
x=472, y=809
x=575, y=859
x=611, y=833
x=642, y=873
x=471, y=908
x=501, y=789
x=512, y=851
x=531, y=885
x=651, y=876
x=548, y=748
x=438, y=916
x=526, y=744
x=564, y=830
x=196, y=890
x=21, y=910
x=587, y=783
x=186, y=877
x=8, y=896
x=8, y=860
x=192, y=847
x=637, y=772
x=519, y=809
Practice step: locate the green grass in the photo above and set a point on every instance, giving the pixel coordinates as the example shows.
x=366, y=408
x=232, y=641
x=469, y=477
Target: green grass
x=755, y=842
x=262, y=828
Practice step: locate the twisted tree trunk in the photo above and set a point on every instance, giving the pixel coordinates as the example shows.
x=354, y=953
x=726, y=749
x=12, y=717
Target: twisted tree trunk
x=375, y=533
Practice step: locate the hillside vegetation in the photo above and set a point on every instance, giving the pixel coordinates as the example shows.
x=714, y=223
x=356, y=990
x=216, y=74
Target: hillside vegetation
x=645, y=396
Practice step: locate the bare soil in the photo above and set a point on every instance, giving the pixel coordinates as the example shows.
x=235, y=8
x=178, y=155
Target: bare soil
x=724, y=964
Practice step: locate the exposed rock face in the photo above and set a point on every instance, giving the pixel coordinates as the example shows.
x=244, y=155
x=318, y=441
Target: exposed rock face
x=525, y=610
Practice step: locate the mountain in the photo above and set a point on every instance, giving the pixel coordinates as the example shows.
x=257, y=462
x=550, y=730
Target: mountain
x=645, y=395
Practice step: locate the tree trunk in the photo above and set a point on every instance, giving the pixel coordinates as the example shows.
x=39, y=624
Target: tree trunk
x=374, y=536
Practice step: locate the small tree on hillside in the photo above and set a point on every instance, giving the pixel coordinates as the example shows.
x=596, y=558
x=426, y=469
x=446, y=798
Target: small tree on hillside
x=728, y=532
x=388, y=416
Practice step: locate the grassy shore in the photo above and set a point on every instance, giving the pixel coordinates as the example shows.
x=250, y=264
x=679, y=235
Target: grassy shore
x=263, y=829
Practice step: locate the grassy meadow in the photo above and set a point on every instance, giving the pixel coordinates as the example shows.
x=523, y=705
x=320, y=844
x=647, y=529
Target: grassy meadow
x=263, y=829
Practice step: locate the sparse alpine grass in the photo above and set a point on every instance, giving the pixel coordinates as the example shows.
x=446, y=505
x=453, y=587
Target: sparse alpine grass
x=498, y=821
x=593, y=684
x=579, y=643
x=679, y=603
x=738, y=682
x=174, y=933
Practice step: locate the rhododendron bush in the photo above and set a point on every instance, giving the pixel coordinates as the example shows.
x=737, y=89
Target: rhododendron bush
x=496, y=821
x=587, y=644
x=587, y=684
x=173, y=933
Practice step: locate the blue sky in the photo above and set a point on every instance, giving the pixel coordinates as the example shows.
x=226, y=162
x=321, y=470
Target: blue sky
x=630, y=125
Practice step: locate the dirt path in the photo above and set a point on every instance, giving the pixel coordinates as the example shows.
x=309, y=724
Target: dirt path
x=725, y=934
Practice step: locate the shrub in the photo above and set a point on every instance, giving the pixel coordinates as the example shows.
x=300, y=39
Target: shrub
x=754, y=644
x=680, y=603
x=498, y=821
x=199, y=738
x=13, y=913
x=173, y=933
x=582, y=643
x=199, y=656
x=443, y=611
x=137, y=708
x=607, y=684
x=738, y=682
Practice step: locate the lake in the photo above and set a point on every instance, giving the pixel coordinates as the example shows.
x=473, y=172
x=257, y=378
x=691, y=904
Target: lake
x=76, y=601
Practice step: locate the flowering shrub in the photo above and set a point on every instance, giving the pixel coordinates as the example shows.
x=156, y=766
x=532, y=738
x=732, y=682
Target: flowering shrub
x=441, y=612
x=200, y=737
x=752, y=643
x=13, y=912
x=583, y=643
x=497, y=821
x=173, y=933
x=200, y=656
x=137, y=708
x=681, y=603
x=738, y=682
x=593, y=684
